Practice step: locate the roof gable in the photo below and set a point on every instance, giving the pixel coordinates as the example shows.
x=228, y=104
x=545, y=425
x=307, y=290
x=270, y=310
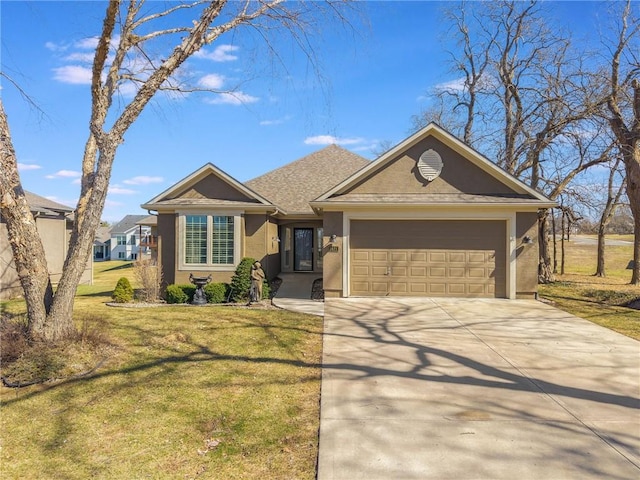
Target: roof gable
x=205, y=185
x=294, y=185
x=465, y=172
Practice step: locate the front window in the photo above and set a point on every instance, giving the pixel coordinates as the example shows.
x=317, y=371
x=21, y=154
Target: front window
x=209, y=240
x=121, y=239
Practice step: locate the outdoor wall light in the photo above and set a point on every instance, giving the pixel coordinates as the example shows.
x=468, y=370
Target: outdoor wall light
x=333, y=238
x=527, y=240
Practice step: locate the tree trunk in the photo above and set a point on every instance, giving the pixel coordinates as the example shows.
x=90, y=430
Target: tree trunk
x=545, y=272
x=562, y=224
x=555, y=251
x=26, y=246
x=631, y=159
x=600, y=271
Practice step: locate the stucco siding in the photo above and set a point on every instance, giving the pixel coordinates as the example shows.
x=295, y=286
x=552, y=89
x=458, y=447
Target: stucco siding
x=332, y=260
x=213, y=187
x=526, y=255
x=458, y=175
x=167, y=248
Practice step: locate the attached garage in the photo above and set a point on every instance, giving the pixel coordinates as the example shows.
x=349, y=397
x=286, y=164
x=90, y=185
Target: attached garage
x=431, y=217
x=460, y=258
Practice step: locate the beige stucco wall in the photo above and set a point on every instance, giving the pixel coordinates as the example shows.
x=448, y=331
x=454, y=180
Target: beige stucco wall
x=458, y=175
x=332, y=259
x=526, y=255
x=55, y=235
x=9, y=282
x=213, y=187
x=261, y=242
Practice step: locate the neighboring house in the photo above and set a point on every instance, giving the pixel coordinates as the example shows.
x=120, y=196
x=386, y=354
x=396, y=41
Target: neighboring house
x=54, y=223
x=149, y=241
x=430, y=217
x=102, y=244
x=125, y=238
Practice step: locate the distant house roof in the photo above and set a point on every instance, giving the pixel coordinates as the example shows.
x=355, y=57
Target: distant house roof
x=44, y=205
x=294, y=185
x=103, y=235
x=128, y=223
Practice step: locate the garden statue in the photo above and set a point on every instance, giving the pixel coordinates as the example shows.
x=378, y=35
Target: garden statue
x=199, y=297
x=257, y=278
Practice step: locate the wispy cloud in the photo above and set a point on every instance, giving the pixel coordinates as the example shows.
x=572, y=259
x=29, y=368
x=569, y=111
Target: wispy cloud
x=23, y=167
x=212, y=81
x=457, y=85
x=143, y=180
x=64, y=174
x=278, y=121
x=232, y=98
x=85, y=57
x=73, y=74
x=330, y=139
x=118, y=190
x=222, y=53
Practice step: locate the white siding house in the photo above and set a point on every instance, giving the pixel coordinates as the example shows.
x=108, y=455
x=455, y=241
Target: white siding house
x=125, y=238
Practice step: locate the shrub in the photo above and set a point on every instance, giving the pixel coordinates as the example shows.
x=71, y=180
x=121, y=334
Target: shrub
x=179, y=293
x=241, y=282
x=123, y=292
x=216, y=292
x=149, y=275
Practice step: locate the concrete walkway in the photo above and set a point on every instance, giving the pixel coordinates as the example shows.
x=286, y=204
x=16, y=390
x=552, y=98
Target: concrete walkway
x=295, y=294
x=475, y=389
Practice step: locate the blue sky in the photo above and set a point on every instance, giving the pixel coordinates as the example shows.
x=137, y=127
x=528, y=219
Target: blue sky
x=374, y=81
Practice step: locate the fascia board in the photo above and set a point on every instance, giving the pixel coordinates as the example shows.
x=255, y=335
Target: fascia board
x=341, y=206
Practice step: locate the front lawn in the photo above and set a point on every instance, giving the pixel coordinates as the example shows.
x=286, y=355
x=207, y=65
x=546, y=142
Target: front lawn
x=600, y=300
x=180, y=392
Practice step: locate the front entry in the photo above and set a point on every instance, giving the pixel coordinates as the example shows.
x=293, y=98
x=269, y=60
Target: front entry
x=303, y=249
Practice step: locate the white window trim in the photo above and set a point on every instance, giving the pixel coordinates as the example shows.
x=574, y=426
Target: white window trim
x=209, y=267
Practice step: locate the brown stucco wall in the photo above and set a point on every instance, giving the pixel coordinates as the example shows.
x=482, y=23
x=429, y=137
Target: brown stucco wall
x=526, y=255
x=167, y=253
x=332, y=260
x=458, y=175
x=261, y=233
x=55, y=234
x=213, y=187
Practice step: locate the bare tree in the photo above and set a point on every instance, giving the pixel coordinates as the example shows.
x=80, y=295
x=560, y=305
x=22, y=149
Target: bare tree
x=623, y=105
x=529, y=89
x=129, y=27
x=612, y=202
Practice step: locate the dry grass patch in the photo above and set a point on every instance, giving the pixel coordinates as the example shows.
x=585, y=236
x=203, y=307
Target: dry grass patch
x=600, y=300
x=188, y=392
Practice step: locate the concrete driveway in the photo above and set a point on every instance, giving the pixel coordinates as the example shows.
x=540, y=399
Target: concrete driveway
x=475, y=389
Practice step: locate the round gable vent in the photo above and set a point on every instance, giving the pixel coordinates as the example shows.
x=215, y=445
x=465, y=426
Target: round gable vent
x=430, y=165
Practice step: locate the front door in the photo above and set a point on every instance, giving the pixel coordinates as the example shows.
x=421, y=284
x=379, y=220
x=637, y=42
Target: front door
x=303, y=249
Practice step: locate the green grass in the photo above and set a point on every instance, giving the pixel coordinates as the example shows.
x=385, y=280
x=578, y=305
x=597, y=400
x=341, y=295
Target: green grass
x=599, y=300
x=176, y=381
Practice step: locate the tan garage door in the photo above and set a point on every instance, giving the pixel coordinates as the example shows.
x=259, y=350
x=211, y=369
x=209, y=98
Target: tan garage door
x=428, y=258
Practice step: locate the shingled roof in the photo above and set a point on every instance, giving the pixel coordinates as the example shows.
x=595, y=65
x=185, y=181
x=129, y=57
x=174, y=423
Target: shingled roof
x=44, y=205
x=294, y=185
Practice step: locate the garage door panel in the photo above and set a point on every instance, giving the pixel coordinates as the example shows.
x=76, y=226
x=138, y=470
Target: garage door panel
x=378, y=256
x=439, y=258
x=378, y=270
x=458, y=289
x=361, y=271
